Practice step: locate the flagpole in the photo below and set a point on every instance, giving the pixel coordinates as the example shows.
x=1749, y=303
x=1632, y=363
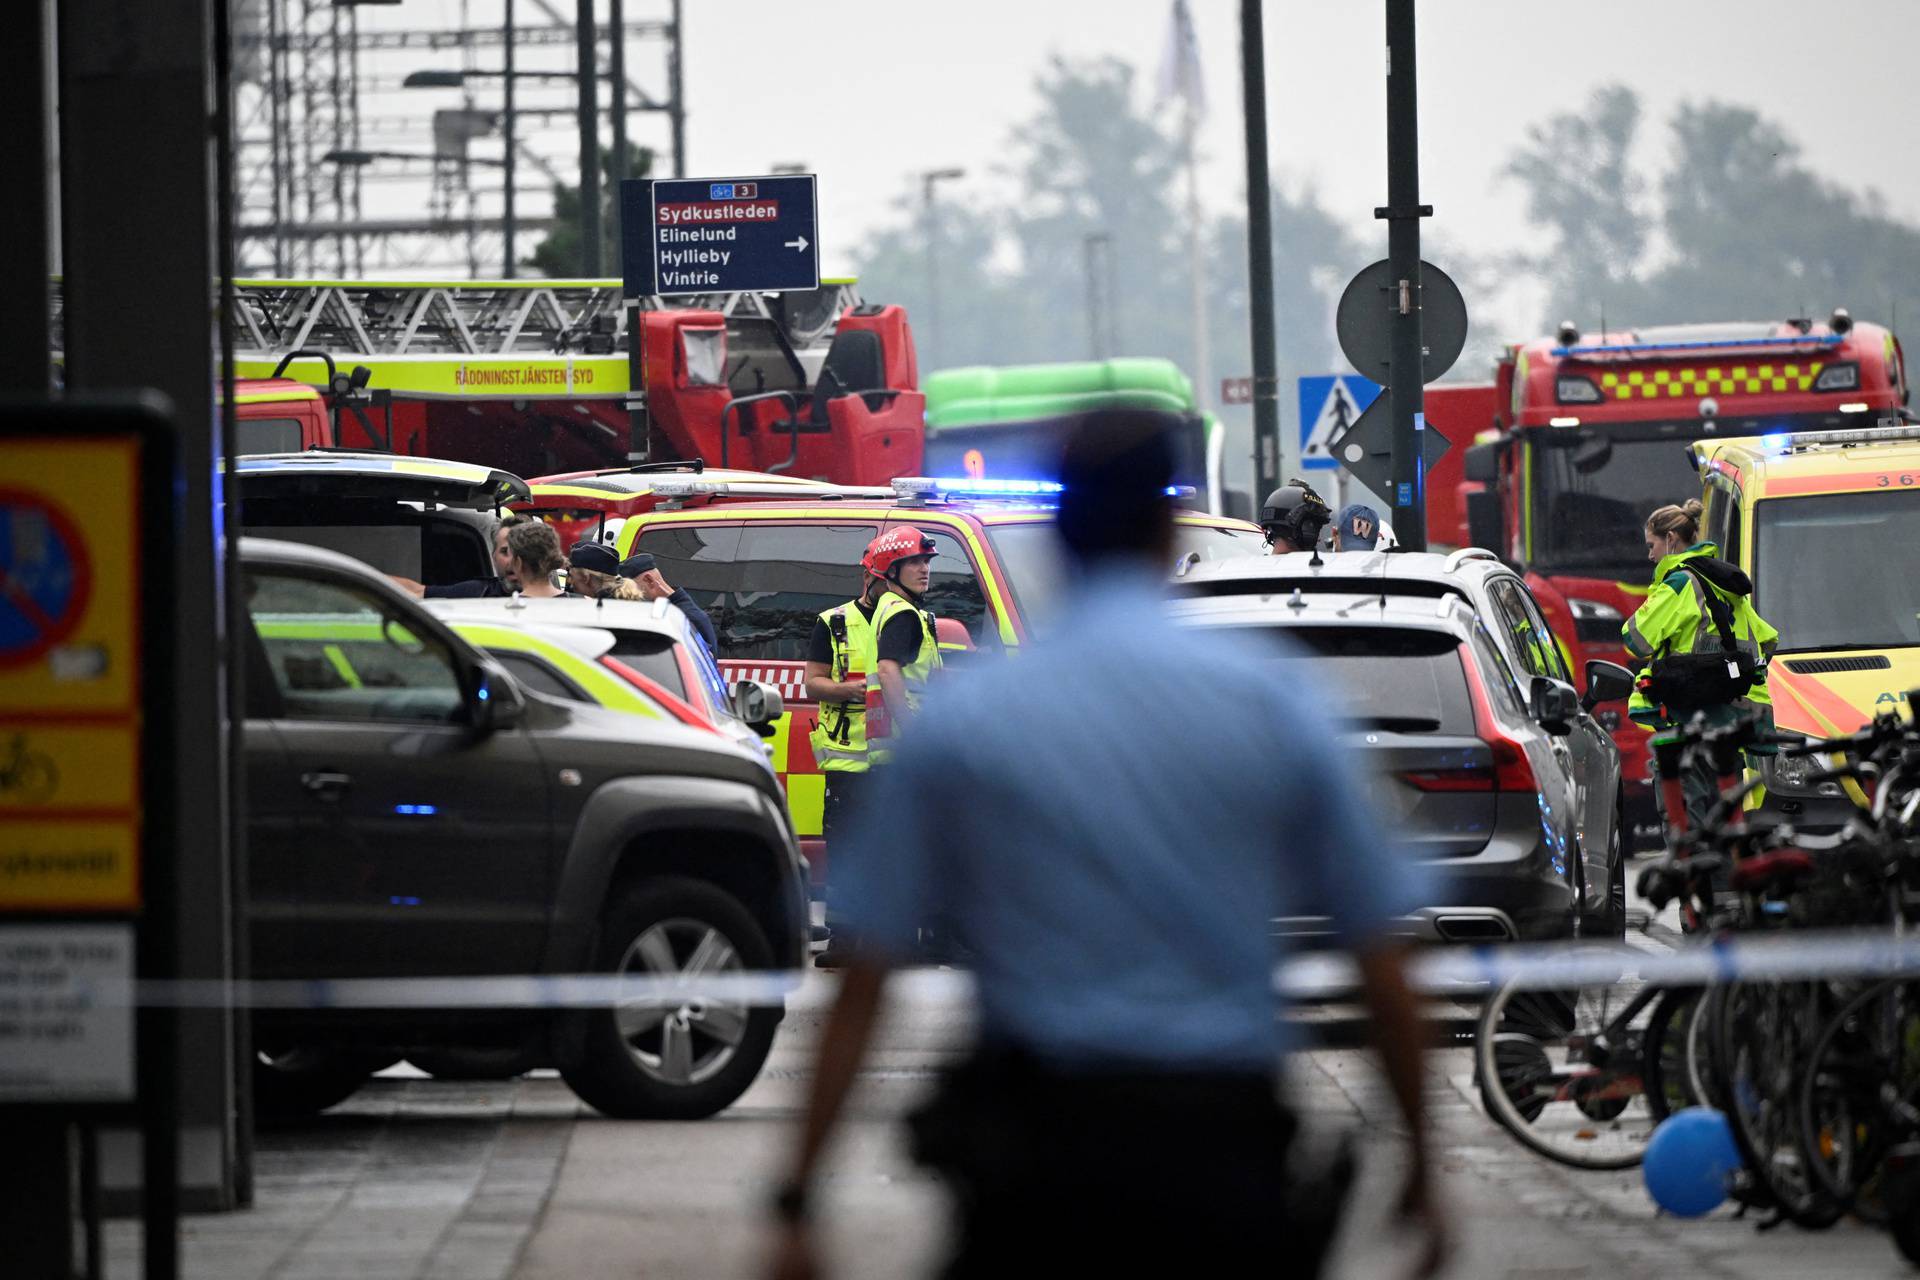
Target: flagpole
x=1197, y=247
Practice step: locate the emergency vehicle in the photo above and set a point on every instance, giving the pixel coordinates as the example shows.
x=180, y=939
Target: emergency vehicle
x=765, y=566
x=586, y=503
x=985, y=421
x=541, y=376
x=1825, y=524
x=1590, y=435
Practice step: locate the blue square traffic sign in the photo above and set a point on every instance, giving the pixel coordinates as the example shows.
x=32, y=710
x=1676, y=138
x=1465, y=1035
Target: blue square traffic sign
x=705, y=235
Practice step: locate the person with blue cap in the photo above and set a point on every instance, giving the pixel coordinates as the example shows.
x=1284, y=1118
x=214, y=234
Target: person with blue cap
x=1357, y=529
x=595, y=570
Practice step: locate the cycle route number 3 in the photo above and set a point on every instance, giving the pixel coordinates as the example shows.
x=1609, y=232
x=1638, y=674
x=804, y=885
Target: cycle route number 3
x=45, y=577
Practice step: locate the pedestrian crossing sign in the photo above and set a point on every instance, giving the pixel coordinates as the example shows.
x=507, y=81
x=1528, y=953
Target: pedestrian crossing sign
x=1329, y=404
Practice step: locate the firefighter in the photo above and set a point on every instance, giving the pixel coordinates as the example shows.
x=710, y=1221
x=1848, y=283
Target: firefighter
x=843, y=662
x=905, y=650
x=1293, y=516
x=1703, y=648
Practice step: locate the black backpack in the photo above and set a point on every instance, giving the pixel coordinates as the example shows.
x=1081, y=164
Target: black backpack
x=1684, y=683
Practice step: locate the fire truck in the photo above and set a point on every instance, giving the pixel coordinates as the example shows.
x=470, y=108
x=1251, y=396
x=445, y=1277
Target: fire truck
x=1589, y=434
x=544, y=376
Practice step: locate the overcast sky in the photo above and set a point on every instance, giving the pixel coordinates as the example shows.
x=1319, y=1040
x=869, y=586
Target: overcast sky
x=867, y=93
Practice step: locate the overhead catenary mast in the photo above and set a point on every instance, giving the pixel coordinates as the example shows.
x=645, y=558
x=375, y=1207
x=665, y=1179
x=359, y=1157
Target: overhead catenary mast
x=1180, y=78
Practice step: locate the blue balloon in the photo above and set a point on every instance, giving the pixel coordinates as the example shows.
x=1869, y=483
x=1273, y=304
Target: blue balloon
x=1690, y=1162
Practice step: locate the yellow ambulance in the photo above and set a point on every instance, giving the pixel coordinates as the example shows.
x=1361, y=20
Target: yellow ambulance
x=1827, y=524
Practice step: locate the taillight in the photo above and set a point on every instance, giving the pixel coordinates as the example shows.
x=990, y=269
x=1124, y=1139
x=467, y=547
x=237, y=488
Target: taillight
x=1511, y=771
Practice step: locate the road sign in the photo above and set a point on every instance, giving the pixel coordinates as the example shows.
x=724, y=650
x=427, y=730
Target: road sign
x=720, y=235
x=70, y=653
x=65, y=1034
x=1366, y=449
x=1329, y=404
x=1236, y=391
x=1364, y=321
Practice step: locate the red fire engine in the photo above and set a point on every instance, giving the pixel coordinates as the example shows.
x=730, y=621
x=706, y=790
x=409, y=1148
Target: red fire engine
x=1588, y=435
x=544, y=376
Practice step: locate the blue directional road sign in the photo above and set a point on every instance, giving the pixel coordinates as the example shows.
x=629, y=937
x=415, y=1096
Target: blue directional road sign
x=720, y=235
x=1329, y=404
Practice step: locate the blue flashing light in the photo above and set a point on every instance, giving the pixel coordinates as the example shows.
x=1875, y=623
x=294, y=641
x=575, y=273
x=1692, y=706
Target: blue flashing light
x=1776, y=442
x=998, y=488
x=403, y=901
x=417, y=810
x=484, y=694
x=1700, y=344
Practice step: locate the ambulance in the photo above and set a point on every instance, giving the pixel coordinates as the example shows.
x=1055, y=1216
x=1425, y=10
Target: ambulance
x=1827, y=524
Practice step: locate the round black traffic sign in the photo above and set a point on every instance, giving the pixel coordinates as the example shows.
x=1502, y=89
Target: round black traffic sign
x=1365, y=320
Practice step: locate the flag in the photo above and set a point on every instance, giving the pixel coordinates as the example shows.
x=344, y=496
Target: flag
x=1180, y=64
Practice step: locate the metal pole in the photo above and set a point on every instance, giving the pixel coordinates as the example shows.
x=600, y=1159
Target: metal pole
x=933, y=267
x=1197, y=264
x=676, y=99
x=1266, y=380
x=1403, y=214
x=508, y=256
x=1095, y=348
x=617, y=68
x=589, y=144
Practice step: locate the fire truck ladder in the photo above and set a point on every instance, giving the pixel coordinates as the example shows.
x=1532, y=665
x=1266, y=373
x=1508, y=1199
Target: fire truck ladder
x=487, y=317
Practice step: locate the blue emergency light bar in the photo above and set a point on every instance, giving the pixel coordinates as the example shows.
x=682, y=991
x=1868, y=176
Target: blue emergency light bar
x=926, y=487
x=1698, y=344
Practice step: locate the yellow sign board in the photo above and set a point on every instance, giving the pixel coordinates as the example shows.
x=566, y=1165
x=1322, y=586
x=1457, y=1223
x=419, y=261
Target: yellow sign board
x=69, y=673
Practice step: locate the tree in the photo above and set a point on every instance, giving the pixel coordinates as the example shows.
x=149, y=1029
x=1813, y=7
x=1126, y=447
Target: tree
x=1581, y=186
x=558, y=256
x=1742, y=228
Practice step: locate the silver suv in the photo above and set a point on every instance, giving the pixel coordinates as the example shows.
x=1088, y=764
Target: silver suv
x=1491, y=764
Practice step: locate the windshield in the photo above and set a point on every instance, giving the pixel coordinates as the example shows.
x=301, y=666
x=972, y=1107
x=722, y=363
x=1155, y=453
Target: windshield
x=1034, y=565
x=1592, y=500
x=1402, y=680
x=1830, y=572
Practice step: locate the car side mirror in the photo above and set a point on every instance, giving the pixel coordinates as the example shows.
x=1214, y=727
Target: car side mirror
x=1606, y=682
x=758, y=704
x=950, y=635
x=1553, y=704
x=493, y=701
x=1482, y=462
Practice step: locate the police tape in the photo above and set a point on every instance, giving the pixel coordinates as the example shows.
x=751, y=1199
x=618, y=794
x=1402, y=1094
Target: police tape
x=1446, y=971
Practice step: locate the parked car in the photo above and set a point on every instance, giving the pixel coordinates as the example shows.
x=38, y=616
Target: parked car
x=1491, y=766
x=415, y=812
x=420, y=518
x=651, y=639
x=764, y=566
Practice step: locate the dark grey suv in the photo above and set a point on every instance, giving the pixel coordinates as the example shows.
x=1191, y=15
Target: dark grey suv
x=412, y=812
x=1487, y=760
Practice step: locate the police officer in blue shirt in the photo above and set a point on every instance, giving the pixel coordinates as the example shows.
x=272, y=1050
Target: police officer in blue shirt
x=1115, y=877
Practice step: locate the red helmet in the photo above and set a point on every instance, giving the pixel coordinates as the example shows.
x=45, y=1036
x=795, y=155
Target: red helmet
x=902, y=542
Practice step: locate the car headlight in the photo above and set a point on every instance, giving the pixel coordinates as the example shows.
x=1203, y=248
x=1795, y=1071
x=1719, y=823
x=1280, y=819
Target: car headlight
x=1793, y=775
x=1573, y=389
x=1838, y=377
x=1595, y=622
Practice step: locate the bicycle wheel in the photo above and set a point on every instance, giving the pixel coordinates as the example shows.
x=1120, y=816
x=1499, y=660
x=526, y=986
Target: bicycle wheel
x=1762, y=1034
x=1860, y=1095
x=1664, y=1066
x=1560, y=1071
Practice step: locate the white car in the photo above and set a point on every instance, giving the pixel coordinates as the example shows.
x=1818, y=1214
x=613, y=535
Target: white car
x=652, y=638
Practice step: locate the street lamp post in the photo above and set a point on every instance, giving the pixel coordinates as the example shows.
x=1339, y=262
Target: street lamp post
x=508, y=258
x=928, y=180
x=589, y=143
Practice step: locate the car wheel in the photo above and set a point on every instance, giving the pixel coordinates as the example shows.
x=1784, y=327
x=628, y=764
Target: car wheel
x=476, y=1064
x=1608, y=917
x=295, y=1083
x=665, y=1060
